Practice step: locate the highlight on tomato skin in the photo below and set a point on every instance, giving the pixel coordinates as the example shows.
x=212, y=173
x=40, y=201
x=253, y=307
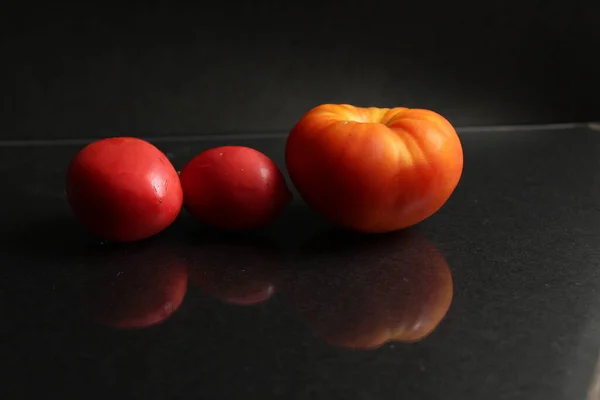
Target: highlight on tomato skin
x=380, y=289
x=135, y=287
x=123, y=189
x=234, y=188
x=241, y=270
x=374, y=170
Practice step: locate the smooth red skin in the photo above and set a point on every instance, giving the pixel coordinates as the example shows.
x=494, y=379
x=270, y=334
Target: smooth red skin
x=374, y=169
x=123, y=189
x=234, y=188
x=136, y=293
x=392, y=289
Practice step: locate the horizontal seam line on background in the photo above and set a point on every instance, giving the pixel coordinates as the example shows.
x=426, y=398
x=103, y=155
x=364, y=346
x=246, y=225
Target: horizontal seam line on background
x=279, y=134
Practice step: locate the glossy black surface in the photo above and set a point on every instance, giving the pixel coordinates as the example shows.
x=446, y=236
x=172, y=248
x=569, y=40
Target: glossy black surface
x=284, y=312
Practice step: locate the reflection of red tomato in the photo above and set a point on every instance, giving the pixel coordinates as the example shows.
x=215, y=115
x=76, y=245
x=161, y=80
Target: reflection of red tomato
x=135, y=287
x=234, y=187
x=123, y=189
x=362, y=292
x=372, y=169
x=235, y=270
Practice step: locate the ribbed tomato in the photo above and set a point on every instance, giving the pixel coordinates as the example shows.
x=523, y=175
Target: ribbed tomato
x=123, y=189
x=374, y=169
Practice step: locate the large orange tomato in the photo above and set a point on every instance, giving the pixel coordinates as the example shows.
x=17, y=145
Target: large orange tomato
x=374, y=169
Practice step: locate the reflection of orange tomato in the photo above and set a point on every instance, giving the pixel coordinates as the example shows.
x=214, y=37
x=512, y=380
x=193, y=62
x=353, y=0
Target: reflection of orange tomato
x=374, y=169
x=135, y=288
x=236, y=270
x=380, y=289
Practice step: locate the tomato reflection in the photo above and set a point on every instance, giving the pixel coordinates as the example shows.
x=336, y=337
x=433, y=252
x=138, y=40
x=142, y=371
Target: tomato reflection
x=135, y=286
x=236, y=269
x=362, y=291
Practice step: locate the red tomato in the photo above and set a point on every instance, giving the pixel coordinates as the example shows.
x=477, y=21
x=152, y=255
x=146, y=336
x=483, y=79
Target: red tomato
x=123, y=189
x=372, y=169
x=234, y=187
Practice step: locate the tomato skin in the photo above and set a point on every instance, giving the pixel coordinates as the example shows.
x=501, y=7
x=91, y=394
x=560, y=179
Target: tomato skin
x=234, y=188
x=374, y=170
x=123, y=189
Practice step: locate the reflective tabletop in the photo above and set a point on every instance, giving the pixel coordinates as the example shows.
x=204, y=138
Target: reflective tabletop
x=496, y=296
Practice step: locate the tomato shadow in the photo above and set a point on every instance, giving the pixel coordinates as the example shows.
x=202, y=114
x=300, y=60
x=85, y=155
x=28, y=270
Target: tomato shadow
x=60, y=240
x=297, y=224
x=362, y=291
x=242, y=268
x=124, y=285
x=45, y=240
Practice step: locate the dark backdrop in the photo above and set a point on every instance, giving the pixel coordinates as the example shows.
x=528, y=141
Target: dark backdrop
x=256, y=66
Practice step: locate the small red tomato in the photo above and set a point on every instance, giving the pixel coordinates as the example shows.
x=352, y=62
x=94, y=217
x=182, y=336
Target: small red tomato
x=234, y=187
x=123, y=189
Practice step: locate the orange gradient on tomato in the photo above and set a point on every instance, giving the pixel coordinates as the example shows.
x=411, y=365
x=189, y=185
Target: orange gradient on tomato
x=374, y=169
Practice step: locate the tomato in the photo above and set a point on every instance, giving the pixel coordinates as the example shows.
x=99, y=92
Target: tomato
x=374, y=169
x=234, y=187
x=123, y=189
x=392, y=288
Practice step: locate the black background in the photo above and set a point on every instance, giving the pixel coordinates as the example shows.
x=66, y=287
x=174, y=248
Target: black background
x=255, y=66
